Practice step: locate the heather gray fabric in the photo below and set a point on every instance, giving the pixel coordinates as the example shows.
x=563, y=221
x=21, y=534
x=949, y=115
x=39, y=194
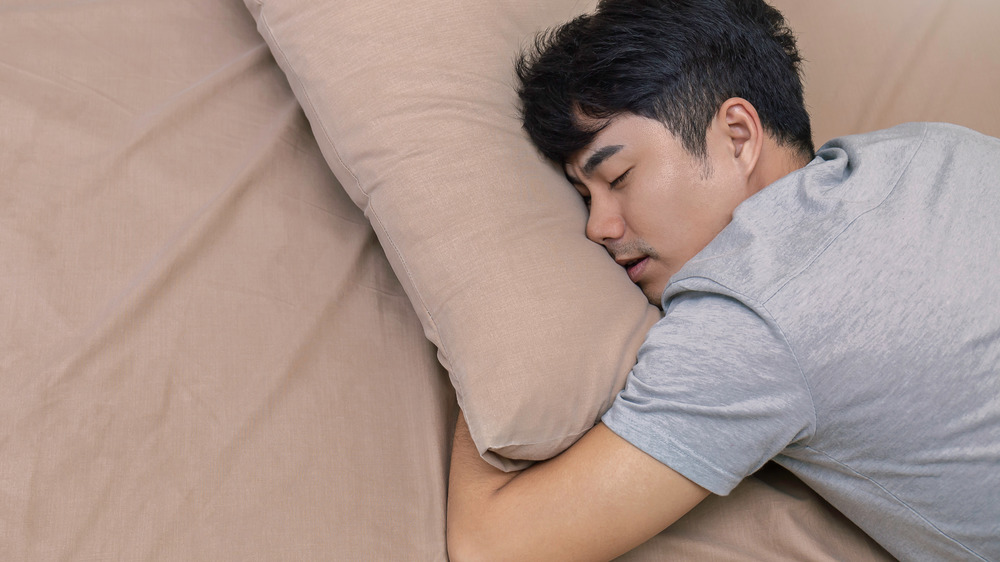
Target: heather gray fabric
x=846, y=323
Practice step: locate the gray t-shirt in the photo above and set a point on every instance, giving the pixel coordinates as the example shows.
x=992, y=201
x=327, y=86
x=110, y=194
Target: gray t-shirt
x=846, y=324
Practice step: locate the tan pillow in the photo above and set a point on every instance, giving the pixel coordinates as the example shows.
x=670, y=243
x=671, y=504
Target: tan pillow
x=413, y=106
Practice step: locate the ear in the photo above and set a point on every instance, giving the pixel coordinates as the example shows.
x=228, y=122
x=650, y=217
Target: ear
x=742, y=132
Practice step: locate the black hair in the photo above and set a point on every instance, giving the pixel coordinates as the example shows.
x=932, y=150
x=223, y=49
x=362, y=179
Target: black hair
x=676, y=61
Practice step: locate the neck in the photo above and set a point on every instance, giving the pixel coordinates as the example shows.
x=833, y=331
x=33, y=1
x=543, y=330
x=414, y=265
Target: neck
x=775, y=162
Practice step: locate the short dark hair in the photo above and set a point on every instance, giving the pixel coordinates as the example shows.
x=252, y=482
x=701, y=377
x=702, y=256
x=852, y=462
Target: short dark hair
x=676, y=61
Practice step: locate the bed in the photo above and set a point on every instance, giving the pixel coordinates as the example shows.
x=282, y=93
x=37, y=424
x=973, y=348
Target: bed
x=255, y=254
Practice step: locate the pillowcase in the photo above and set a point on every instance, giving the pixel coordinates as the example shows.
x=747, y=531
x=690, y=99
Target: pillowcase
x=413, y=105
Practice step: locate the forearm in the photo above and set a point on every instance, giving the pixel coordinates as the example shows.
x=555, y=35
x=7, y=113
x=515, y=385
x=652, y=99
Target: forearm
x=593, y=502
x=486, y=520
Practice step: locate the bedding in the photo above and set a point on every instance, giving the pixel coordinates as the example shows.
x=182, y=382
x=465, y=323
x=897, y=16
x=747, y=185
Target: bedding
x=488, y=245
x=207, y=353
x=488, y=250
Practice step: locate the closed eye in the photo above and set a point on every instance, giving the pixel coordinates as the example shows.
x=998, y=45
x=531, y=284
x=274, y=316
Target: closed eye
x=615, y=182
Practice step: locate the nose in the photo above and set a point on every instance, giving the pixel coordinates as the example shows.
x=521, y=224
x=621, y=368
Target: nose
x=605, y=222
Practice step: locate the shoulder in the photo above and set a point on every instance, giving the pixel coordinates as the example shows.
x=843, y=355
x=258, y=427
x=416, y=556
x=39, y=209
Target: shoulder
x=715, y=393
x=911, y=147
x=901, y=142
x=717, y=338
x=778, y=232
x=910, y=133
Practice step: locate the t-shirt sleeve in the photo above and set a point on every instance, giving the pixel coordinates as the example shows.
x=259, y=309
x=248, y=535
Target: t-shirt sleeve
x=716, y=392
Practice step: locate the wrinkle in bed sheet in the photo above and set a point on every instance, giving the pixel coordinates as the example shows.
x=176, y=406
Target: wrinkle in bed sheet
x=205, y=354
x=187, y=306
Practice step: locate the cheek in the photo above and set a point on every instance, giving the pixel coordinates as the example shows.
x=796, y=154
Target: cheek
x=659, y=196
x=710, y=205
x=682, y=226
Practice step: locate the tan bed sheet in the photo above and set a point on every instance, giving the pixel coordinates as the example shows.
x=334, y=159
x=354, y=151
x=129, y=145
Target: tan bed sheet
x=205, y=355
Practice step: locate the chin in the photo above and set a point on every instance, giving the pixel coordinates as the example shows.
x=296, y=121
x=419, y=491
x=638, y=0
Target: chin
x=654, y=298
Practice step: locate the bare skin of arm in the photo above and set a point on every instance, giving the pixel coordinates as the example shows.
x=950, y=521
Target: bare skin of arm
x=597, y=500
x=603, y=496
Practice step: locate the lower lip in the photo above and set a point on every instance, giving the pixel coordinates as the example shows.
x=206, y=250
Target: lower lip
x=635, y=272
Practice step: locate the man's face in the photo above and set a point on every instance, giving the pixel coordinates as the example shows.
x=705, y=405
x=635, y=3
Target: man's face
x=652, y=204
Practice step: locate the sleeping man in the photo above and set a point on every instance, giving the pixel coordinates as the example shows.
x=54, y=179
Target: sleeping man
x=837, y=311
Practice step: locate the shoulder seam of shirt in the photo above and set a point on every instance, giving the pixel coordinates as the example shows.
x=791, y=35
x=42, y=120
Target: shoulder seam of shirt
x=895, y=183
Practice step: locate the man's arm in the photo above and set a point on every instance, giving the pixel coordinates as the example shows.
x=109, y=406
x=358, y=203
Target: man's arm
x=597, y=500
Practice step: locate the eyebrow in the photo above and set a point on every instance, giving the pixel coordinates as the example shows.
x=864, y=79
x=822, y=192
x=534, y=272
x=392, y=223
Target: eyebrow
x=599, y=156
